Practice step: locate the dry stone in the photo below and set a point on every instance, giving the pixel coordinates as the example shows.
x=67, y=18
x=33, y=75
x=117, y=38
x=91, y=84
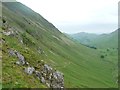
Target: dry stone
x=29, y=70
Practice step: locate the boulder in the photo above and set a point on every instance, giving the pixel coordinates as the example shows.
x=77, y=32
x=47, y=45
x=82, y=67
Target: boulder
x=11, y=52
x=47, y=69
x=58, y=75
x=38, y=74
x=18, y=63
x=57, y=80
x=21, y=58
x=26, y=63
x=29, y=70
x=51, y=78
x=21, y=41
x=7, y=33
x=48, y=85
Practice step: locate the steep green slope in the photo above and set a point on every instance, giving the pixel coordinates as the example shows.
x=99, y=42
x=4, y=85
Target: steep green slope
x=81, y=66
x=100, y=41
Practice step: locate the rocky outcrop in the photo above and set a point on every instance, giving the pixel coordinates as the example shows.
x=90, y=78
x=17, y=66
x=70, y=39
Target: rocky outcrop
x=50, y=77
x=29, y=70
x=21, y=59
x=46, y=74
x=7, y=33
x=7, y=30
x=11, y=52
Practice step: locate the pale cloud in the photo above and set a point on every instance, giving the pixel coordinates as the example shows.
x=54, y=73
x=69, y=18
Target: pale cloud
x=70, y=15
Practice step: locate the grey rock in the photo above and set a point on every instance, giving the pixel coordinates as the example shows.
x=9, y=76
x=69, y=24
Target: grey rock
x=38, y=74
x=47, y=69
x=29, y=70
x=58, y=75
x=7, y=33
x=11, y=52
x=48, y=85
x=43, y=80
x=27, y=63
x=51, y=78
x=58, y=80
x=21, y=58
x=18, y=63
x=20, y=40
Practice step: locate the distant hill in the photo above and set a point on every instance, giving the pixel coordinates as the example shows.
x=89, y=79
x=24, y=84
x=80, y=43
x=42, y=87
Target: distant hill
x=100, y=41
x=84, y=38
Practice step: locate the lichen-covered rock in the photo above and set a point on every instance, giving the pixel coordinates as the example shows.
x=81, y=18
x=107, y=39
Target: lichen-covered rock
x=18, y=63
x=47, y=69
x=38, y=74
x=7, y=33
x=43, y=80
x=59, y=75
x=11, y=52
x=53, y=79
x=48, y=85
x=20, y=57
x=29, y=70
x=26, y=63
x=57, y=80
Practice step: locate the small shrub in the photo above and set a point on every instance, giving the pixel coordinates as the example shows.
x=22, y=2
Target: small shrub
x=102, y=56
x=3, y=28
x=4, y=21
x=107, y=49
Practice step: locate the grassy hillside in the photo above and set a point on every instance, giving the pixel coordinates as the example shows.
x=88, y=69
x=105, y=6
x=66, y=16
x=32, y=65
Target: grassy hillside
x=81, y=66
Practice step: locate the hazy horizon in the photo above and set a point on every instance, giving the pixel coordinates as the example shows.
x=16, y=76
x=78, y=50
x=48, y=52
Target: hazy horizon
x=90, y=33
x=75, y=16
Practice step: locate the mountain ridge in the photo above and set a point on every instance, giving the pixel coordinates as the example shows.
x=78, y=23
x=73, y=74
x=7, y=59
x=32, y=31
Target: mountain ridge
x=97, y=39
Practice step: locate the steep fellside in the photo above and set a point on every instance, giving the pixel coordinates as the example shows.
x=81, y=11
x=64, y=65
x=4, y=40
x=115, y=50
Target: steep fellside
x=30, y=38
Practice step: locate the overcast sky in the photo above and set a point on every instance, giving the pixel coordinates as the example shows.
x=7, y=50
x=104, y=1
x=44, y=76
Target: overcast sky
x=73, y=16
